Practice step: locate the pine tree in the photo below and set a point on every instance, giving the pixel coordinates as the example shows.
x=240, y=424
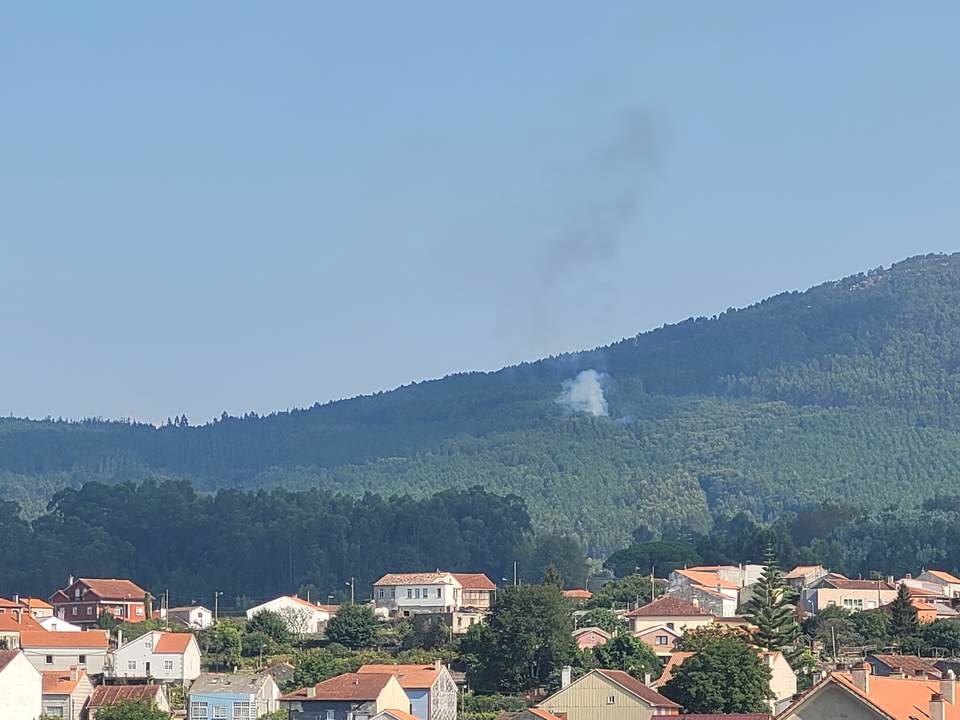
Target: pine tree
x=551, y=576
x=770, y=608
x=903, y=615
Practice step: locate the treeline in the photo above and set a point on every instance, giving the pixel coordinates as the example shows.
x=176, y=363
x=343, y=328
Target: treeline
x=255, y=544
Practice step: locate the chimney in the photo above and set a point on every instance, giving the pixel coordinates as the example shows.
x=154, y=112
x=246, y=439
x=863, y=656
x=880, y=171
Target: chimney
x=311, y=691
x=647, y=679
x=565, y=675
x=695, y=602
x=16, y=598
x=938, y=708
x=119, y=638
x=74, y=673
x=438, y=665
x=919, y=673
x=948, y=687
x=861, y=677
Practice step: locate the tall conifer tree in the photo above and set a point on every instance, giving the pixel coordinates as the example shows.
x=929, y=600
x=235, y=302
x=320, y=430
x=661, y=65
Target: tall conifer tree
x=771, y=608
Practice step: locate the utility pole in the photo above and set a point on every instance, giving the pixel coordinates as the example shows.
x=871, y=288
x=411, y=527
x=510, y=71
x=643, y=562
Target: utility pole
x=653, y=585
x=216, y=606
x=351, y=584
x=514, y=573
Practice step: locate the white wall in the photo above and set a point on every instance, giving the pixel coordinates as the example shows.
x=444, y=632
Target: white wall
x=64, y=658
x=140, y=651
x=313, y=617
x=21, y=690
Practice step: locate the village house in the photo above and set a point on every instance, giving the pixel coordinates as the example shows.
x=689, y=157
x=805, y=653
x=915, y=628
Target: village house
x=106, y=695
x=477, y=591
x=159, y=656
x=804, y=576
x=947, y=584
x=233, y=695
x=302, y=616
x=83, y=601
x=858, y=695
x=21, y=687
x=408, y=594
x=195, y=617
x=902, y=666
x=607, y=695
x=55, y=624
x=590, y=637
x=12, y=623
x=708, y=588
x=661, y=639
x=37, y=608
x=855, y=595
x=577, y=596
x=62, y=650
x=66, y=693
x=351, y=696
x=430, y=688
x=670, y=612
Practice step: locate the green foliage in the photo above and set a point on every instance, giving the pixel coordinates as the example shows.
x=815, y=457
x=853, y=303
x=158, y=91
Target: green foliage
x=526, y=639
x=354, y=626
x=696, y=639
x=131, y=710
x=132, y=630
x=625, y=652
x=271, y=624
x=770, y=609
x=631, y=590
x=552, y=576
x=661, y=556
x=942, y=636
x=222, y=645
x=563, y=553
x=903, y=615
x=603, y=618
x=725, y=676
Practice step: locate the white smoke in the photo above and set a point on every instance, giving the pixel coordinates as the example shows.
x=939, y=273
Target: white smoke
x=584, y=394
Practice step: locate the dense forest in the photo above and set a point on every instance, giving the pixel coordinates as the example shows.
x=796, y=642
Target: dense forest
x=847, y=393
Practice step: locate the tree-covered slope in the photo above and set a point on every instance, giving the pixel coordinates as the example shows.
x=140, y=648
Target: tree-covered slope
x=849, y=391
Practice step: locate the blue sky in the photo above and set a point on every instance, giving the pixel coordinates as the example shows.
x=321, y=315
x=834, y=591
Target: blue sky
x=250, y=206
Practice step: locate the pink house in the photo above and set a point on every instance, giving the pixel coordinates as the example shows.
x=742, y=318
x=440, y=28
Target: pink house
x=590, y=637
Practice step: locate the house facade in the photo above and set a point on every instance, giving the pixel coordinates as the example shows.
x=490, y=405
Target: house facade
x=477, y=591
x=947, y=584
x=63, y=650
x=668, y=611
x=104, y=695
x=232, y=695
x=302, y=617
x=66, y=694
x=84, y=600
x=195, y=617
x=661, y=640
x=408, y=594
x=854, y=595
x=21, y=687
x=431, y=689
x=12, y=624
x=608, y=695
x=159, y=656
x=351, y=696
x=590, y=637
x=709, y=588
x=55, y=624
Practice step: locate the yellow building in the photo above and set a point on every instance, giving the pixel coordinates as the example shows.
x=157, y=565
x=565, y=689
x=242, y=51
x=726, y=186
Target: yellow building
x=608, y=695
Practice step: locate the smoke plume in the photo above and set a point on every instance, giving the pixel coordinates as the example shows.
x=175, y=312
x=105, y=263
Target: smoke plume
x=584, y=394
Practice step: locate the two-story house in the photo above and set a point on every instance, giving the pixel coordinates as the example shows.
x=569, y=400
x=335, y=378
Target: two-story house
x=302, y=616
x=607, y=695
x=66, y=694
x=670, y=612
x=838, y=591
x=62, y=650
x=431, y=688
x=191, y=616
x=947, y=584
x=13, y=622
x=351, y=696
x=709, y=588
x=20, y=687
x=84, y=600
x=408, y=594
x=158, y=656
x=477, y=591
x=233, y=695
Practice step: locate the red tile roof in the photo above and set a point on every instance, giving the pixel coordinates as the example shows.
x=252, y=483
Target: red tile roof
x=899, y=698
x=112, y=694
x=400, y=714
x=19, y=622
x=6, y=657
x=349, y=686
x=433, y=578
x=176, y=643
x=114, y=589
x=413, y=677
x=845, y=584
x=542, y=714
x=577, y=594
x=631, y=684
x=707, y=579
x=35, y=603
x=945, y=576
x=59, y=682
x=4, y=603
x=43, y=639
x=474, y=581
x=675, y=661
x=668, y=606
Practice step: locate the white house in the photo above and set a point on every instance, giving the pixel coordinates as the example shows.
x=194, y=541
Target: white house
x=946, y=584
x=408, y=594
x=191, y=616
x=163, y=656
x=62, y=650
x=55, y=624
x=303, y=617
x=21, y=687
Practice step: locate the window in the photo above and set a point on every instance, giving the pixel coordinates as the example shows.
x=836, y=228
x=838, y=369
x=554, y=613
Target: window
x=219, y=712
x=380, y=593
x=409, y=593
x=662, y=639
x=74, y=609
x=89, y=610
x=331, y=715
x=148, y=644
x=670, y=625
x=198, y=711
x=82, y=659
x=439, y=592
x=48, y=659
x=243, y=711
x=54, y=711
x=168, y=664
x=139, y=610
x=131, y=664
x=416, y=593
x=76, y=593
x=853, y=603
x=611, y=699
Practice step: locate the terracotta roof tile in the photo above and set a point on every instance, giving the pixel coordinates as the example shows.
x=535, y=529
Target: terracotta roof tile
x=577, y=594
x=900, y=698
x=542, y=714
x=845, y=584
x=413, y=677
x=909, y=664
x=96, y=639
x=945, y=576
x=19, y=622
x=112, y=694
x=176, y=643
x=349, y=686
x=668, y=606
x=58, y=682
x=474, y=581
x=708, y=579
x=114, y=589
x=675, y=661
x=400, y=714
x=434, y=578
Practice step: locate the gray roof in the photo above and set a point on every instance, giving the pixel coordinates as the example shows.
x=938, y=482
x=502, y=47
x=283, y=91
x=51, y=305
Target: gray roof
x=214, y=683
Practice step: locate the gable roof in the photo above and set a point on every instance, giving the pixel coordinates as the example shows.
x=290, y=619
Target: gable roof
x=428, y=578
x=19, y=622
x=217, y=683
x=6, y=657
x=413, y=677
x=173, y=643
x=577, y=594
x=801, y=571
x=112, y=694
x=59, y=682
x=909, y=664
x=944, y=576
x=349, y=686
x=675, y=661
x=708, y=579
x=114, y=589
x=898, y=698
x=95, y=639
x=592, y=629
x=659, y=629
x=542, y=714
x=634, y=686
x=668, y=606
x=843, y=583
x=35, y=603
x=474, y=581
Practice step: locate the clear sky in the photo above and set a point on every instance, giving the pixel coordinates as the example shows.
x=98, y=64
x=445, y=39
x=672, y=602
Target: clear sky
x=254, y=206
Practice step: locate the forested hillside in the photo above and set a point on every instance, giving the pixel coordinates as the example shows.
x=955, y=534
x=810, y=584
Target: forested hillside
x=848, y=392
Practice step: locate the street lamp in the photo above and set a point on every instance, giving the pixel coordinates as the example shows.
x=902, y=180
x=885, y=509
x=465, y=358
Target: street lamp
x=216, y=606
x=351, y=586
